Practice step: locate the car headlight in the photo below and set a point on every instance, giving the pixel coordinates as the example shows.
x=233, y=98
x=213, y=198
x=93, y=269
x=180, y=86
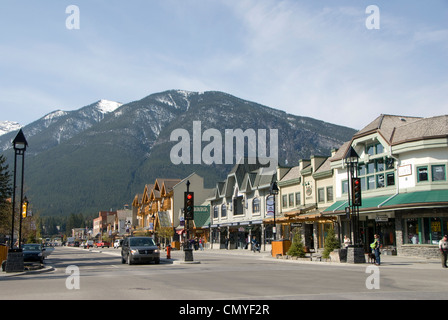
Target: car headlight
x=133, y=251
x=39, y=254
x=156, y=251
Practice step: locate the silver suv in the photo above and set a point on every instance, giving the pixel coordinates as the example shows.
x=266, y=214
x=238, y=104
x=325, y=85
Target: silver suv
x=139, y=249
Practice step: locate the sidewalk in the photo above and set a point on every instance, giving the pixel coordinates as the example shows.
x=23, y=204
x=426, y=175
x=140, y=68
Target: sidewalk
x=386, y=260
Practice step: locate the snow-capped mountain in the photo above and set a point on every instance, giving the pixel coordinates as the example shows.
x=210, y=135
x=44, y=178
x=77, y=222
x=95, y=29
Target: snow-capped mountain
x=59, y=126
x=8, y=126
x=100, y=155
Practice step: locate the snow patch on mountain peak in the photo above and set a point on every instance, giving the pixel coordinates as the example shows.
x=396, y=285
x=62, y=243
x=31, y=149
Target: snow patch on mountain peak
x=107, y=106
x=8, y=126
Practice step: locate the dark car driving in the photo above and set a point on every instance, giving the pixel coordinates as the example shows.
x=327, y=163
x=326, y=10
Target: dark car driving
x=139, y=250
x=33, y=252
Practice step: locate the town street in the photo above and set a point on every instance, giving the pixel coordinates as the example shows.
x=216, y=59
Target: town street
x=221, y=276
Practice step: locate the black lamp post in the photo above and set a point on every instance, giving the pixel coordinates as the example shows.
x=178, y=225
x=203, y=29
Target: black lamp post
x=15, y=256
x=351, y=160
x=273, y=191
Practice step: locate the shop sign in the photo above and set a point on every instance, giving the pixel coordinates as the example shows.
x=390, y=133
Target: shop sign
x=383, y=218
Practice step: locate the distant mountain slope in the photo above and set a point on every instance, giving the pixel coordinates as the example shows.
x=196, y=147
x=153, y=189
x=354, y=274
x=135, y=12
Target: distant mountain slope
x=86, y=161
x=8, y=126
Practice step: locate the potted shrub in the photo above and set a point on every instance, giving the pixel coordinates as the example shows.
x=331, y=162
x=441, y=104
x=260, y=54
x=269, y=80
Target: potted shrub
x=297, y=249
x=331, y=243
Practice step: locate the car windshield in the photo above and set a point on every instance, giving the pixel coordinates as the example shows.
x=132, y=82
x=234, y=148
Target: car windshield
x=31, y=247
x=141, y=242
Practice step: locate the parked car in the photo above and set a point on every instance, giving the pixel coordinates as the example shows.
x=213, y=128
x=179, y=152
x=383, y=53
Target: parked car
x=139, y=249
x=102, y=244
x=33, y=252
x=118, y=243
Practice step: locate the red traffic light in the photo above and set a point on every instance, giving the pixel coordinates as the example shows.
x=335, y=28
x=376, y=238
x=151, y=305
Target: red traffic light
x=189, y=196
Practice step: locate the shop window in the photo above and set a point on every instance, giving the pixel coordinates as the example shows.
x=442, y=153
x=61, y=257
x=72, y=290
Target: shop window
x=424, y=230
x=412, y=232
x=422, y=174
x=436, y=230
x=438, y=173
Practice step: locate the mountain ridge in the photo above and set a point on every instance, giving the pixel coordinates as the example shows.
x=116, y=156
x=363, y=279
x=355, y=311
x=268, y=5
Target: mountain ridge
x=104, y=160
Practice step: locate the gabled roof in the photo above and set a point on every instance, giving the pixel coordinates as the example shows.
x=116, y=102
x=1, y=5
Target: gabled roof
x=427, y=128
x=385, y=124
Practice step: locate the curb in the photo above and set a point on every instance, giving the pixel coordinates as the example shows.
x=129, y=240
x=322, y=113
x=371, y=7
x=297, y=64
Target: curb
x=14, y=274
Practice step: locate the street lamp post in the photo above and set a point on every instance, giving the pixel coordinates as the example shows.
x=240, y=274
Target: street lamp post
x=355, y=253
x=273, y=191
x=15, y=256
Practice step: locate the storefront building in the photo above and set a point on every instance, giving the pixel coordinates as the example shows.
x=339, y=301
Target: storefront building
x=306, y=191
x=238, y=207
x=402, y=167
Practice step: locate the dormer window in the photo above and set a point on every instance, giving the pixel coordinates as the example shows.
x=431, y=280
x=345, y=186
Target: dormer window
x=373, y=149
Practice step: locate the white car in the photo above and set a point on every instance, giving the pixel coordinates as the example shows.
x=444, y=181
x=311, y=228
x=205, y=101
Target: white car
x=117, y=243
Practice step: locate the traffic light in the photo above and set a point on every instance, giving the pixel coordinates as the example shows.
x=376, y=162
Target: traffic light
x=356, y=192
x=189, y=206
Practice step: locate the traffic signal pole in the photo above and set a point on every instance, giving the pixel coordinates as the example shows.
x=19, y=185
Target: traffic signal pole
x=188, y=215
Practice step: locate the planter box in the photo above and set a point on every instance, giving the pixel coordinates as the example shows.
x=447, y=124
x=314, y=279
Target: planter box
x=280, y=247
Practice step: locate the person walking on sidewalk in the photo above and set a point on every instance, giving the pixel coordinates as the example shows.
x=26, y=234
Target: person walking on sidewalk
x=376, y=249
x=443, y=247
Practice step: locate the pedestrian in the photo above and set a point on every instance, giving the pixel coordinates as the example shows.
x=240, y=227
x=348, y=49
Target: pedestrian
x=255, y=246
x=347, y=241
x=376, y=245
x=227, y=243
x=443, y=247
x=201, y=247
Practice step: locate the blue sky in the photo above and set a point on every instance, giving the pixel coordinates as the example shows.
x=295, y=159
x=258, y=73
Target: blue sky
x=309, y=58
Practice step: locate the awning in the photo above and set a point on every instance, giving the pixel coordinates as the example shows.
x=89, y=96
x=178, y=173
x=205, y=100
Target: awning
x=310, y=216
x=396, y=201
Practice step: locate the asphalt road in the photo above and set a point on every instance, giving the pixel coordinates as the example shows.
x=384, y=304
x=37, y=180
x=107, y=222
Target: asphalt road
x=92, y=275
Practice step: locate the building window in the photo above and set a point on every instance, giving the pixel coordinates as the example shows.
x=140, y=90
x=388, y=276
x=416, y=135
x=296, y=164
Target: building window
x=256, y=205
x=424, y=230
x=422, y=174
x=438, y=173
x=320, y=195
x=344, y=186
x=298, y=199
x=390, y=179
x=284, y=201
x=291, y=199
x=380, y=181
x=378, y=173
x=215, y=212
x=223, y=210
x=329, y=194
